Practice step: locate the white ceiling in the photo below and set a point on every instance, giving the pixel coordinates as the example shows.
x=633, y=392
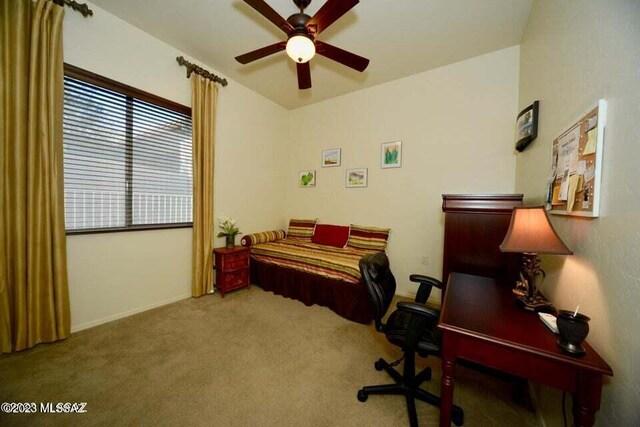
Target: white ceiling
x=400, y=37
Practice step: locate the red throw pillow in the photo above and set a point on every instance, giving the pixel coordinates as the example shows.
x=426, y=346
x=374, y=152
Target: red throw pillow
x=331, y=235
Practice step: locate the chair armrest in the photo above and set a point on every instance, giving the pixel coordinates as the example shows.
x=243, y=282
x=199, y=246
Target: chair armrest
x=426, y=284
x=419, y=310
x=263, y=237
x=426, y=279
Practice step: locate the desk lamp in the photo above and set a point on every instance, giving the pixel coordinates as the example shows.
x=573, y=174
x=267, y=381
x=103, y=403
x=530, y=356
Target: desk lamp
x=530, y=233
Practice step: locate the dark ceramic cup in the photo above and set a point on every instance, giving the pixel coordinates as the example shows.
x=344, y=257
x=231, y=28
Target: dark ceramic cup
x=573, y=330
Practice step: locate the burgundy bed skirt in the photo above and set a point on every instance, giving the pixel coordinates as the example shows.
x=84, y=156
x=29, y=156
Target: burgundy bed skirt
x=349, y=300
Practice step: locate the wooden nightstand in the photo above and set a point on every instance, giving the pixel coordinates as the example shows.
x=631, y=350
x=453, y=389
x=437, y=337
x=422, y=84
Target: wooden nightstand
x=232, y=268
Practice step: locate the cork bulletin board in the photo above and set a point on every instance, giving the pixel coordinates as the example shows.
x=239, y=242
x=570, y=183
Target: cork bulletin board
x=576, y=166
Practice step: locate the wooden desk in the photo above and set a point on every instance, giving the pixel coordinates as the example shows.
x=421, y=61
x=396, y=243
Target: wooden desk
x=480, y=322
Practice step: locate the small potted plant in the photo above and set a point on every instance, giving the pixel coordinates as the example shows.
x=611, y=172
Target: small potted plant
x=229, y=230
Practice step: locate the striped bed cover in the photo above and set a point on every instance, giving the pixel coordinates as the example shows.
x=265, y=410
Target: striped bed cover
x=322, y=260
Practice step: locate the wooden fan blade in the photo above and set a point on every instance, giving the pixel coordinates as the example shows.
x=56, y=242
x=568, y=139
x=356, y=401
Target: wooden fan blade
x=261, y=53
x=342, y=56
x=329, y=13
x=265, y=10
x=304, y=75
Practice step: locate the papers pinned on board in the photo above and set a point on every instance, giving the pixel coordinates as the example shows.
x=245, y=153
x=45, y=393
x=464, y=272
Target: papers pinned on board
x=576, y=162
x=592, y=142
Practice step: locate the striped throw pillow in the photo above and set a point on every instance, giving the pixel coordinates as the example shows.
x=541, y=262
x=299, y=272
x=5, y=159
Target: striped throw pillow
x=263, y=237
x=374, y=238
x=302, y=228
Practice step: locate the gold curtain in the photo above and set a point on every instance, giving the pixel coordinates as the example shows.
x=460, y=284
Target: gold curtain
x=34, y=298
x=204, y=98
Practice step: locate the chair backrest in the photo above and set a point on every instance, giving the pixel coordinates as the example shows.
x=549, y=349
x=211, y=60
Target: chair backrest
x=380, y=284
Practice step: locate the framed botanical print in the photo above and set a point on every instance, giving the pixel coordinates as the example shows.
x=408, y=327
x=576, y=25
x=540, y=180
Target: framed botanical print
x=307, y=179
x=391, y=155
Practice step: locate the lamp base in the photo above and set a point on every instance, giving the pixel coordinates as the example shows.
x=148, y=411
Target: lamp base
x=570, y=347
x=535, y=304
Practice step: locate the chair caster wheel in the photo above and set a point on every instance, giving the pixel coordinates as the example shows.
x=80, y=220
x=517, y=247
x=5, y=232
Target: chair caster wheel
x=427, y=376
x=379, y=365
x=362, y=396
x=457, y=416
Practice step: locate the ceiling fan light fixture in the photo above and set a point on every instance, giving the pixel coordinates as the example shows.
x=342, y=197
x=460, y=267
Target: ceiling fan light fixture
x=302, y=31
x=300, y=48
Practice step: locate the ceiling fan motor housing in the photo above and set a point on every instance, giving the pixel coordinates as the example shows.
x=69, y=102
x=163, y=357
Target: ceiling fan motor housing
x=298, y=21
x=302, y=30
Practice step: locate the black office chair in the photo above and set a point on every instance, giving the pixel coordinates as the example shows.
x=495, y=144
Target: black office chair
x=412, y=327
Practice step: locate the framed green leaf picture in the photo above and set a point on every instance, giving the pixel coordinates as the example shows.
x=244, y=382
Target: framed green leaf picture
x=307, y=179
x=391, y=155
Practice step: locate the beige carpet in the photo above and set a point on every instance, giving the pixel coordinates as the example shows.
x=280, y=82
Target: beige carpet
x=250, y=359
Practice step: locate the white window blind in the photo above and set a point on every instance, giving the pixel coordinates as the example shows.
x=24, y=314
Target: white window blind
x=127, y=162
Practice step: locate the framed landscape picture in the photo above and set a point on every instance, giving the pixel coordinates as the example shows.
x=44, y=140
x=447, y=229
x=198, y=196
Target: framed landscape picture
x=527, y=126
x=356, y=178
x=307, y=179
x=331, y=158
x=391, y=155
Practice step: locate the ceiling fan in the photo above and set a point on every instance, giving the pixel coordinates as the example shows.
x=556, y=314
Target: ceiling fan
x=302, y=31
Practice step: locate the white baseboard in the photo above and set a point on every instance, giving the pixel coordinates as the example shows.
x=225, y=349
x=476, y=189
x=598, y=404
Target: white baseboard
x=411, y=295
x=93, y=323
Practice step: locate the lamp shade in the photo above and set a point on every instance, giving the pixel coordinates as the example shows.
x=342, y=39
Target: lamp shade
x=531, y=232
x=300, y=48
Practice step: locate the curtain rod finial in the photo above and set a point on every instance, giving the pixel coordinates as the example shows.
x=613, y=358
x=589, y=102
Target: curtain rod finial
x=193, y=68
x=83, y=8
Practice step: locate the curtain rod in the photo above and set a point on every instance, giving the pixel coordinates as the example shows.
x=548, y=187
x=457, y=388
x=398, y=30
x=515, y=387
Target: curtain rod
x=193, y=68
x=83, y=8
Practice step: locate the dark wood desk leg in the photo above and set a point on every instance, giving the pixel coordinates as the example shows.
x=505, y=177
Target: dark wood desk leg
x=586, y=400
x=446, y=384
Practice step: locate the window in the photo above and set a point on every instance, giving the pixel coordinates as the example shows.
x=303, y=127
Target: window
x=127, y=157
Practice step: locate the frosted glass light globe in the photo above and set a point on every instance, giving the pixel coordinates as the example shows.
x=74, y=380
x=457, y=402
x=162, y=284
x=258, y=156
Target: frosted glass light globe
x=300, y=48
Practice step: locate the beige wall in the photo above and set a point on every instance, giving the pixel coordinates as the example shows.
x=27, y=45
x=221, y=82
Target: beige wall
x=116, y=274
x=574, y=53
x=456, y=125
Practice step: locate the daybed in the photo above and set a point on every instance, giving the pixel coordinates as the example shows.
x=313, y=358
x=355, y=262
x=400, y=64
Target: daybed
x=316, y=264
